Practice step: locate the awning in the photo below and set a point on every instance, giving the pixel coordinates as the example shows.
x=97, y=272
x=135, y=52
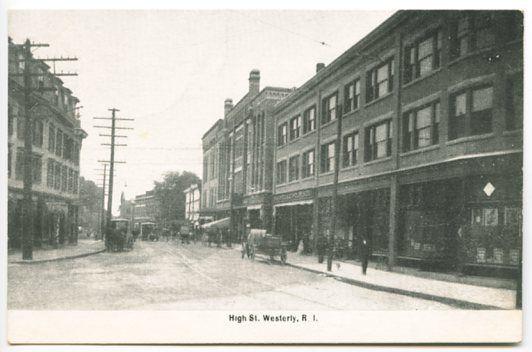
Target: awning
x=300, y=202
x=218, y=224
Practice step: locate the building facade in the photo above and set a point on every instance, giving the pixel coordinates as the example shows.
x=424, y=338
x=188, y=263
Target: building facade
x=145, y=208
x=192, y=203
x=238, y=157
x=57, y=140
x=429, y=146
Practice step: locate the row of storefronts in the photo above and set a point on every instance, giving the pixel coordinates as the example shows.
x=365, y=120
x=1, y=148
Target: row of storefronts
x=419, y=154
x=480, y=198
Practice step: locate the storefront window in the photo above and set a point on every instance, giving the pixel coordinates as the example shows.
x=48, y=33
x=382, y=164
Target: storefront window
x=485, y=216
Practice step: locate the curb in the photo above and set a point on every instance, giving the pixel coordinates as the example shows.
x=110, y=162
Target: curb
x=58, y=258
x=454, y=302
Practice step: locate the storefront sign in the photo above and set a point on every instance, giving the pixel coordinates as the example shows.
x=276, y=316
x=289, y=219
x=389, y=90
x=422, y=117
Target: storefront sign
x=294, y=196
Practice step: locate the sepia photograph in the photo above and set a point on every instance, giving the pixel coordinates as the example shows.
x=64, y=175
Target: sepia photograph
x=252, y=176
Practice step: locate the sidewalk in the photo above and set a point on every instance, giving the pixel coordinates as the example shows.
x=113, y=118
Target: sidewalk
x=469, y=292
x=84, y=248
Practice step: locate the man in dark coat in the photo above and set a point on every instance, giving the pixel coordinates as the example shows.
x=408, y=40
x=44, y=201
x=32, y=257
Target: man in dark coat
x=364, y=253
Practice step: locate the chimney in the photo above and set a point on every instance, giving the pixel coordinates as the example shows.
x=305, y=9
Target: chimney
x=254, y=81
x=319, y=66
x=228, y=105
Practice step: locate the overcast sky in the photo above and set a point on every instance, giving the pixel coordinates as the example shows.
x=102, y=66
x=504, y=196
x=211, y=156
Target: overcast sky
x=171, y=71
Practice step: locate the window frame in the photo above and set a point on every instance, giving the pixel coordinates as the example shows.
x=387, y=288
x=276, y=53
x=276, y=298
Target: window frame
x=307, y=121
x=352, y=103
x=295, y=133
x=412, y=61
x=327, y=162
x=350, y=155
x=370, y=144
x=472, y=33
x=305, y=173
x=282, y=134
x=411, y=132
x=372, y=82
x=293, y=174
x=281, y=172
x=327, y=111
x=470, y=116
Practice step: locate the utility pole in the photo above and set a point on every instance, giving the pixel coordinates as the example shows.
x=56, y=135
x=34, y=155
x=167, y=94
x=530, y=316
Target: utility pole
x=102, y=212
x=334, y=209
x=27, y=202
x=232, y=190
x=111, y=163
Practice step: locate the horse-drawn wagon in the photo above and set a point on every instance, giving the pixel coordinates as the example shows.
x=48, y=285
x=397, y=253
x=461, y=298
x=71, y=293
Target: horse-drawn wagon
x=258, y=241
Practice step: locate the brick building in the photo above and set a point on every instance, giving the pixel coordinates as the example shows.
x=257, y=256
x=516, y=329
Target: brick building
x=238, y=158
x=192, y=203
x=57, y=140
x=431, y=109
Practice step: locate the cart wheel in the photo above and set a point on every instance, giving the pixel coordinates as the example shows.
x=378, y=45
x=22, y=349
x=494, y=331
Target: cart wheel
x=283, y=258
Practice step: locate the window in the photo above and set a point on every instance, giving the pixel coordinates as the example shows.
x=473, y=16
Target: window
x=514, y=103
x=10, y=120
x=308, y=163
x=513, y=216
x=471, y=112
x=309, y=120
x=56, y=95
x=59, y=143
x=352, y=96
x=350, y=149
x=423, y=56
x=420, y=127
x=379, y=81
x=20, y=127
x=38, y=130
x=472, y=31
x=282, y=134
x=19, y=166
x=50, y=173
x=65, y=99
x=40, y=78
x=64, y=177
x=21, y=62
x=70, y=187
x=51, y=138
x=205, y=167
x=327, y=157
x=378, y=141
x=281, y=172
x=76, y=178
x=36, y=169
x=57, y=176
x=481, y=110
x=485, y=216
x=76, y=153
x=9, y=161
x=295, y=127
x=329, y=108
x=293, y=168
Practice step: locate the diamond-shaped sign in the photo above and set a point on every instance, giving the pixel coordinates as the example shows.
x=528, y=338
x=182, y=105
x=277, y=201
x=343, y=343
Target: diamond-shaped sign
x=489, y=189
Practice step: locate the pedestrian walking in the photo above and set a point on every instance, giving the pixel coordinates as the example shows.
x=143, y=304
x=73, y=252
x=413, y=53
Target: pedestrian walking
x=364, y=253
x=460, y=251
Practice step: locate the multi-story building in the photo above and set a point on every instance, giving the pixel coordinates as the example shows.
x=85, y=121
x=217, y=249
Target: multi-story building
x=192, y=203
x=238, y=157
x=145, y=207
x=430, y=145
x=57, y=139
